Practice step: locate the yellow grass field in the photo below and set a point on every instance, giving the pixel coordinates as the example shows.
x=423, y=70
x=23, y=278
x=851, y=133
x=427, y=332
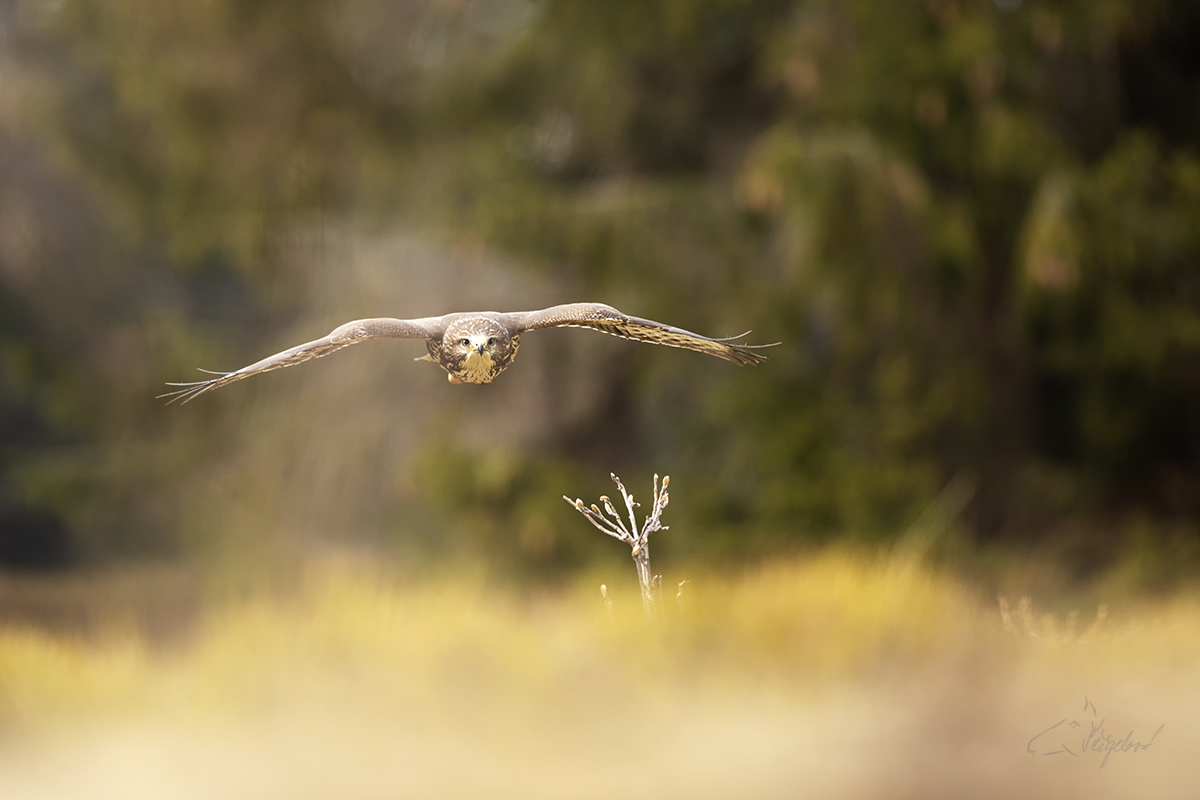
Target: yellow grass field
x=836, y=675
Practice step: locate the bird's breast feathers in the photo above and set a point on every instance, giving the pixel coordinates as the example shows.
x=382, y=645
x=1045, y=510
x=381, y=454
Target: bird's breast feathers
x=477, y=368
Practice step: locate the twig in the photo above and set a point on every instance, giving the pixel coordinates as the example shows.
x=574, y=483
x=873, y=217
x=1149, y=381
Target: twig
x=614, y=526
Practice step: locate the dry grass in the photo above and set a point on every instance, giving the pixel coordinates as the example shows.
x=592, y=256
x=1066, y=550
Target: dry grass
x=838, y=675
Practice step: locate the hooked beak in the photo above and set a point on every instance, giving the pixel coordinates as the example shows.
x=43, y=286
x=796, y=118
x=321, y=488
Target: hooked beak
x=481, y=348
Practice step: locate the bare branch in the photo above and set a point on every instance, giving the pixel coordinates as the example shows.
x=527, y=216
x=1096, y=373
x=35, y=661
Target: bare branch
x=599, y=522
x=608, y=506
x=637, y=539
x=653, y=523
x=629, y=504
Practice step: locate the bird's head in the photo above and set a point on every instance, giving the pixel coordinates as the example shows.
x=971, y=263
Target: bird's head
x=477, y=342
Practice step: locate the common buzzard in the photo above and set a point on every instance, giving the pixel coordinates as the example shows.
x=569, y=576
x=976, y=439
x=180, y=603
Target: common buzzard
x=475, y=347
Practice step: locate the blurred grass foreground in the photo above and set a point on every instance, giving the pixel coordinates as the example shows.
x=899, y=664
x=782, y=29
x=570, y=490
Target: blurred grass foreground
x=841, y=674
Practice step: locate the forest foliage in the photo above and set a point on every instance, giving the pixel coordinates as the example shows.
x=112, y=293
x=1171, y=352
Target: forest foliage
x=971, y=224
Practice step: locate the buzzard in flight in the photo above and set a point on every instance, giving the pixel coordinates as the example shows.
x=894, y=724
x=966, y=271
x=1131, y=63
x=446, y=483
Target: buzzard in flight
x=475, y=347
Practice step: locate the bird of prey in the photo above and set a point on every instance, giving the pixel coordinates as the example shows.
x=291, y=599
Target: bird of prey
x=475, y=347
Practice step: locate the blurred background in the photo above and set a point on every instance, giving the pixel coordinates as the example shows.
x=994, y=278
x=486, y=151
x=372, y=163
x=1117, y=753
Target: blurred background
x=974, y=225
x=971, y=224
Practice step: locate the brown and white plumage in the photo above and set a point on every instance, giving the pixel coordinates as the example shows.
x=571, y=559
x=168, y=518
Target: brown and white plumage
x=475, y=347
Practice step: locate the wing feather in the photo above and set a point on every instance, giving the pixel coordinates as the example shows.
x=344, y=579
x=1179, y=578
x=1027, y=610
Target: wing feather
x=606, y=319
x=343, y=336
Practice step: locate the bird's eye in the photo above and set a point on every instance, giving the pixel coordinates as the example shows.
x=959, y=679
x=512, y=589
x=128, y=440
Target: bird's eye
x=492, y=342
x=465, y=342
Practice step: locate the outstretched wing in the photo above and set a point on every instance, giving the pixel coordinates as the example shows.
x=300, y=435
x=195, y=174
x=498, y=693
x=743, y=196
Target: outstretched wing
x=345, y=335
x=607, y=319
